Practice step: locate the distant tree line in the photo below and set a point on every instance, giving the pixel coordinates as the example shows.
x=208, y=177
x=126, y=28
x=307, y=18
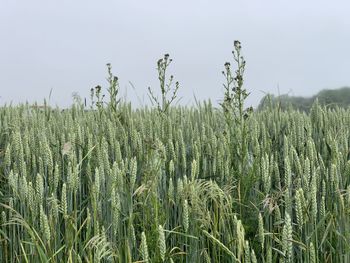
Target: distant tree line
x=329, y=98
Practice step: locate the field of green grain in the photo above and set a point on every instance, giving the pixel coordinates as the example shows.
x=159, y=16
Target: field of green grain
x=111, y=183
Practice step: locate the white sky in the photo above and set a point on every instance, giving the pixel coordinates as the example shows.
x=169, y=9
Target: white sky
x=296, y=46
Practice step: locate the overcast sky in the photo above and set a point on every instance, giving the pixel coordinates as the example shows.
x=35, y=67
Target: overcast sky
x=297, y=47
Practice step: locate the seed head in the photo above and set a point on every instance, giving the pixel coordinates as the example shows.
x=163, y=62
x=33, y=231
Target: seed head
x=161, y=242
x=237, y=44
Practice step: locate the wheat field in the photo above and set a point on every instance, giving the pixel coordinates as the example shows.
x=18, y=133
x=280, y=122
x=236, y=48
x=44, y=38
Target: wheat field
x=199, y=183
